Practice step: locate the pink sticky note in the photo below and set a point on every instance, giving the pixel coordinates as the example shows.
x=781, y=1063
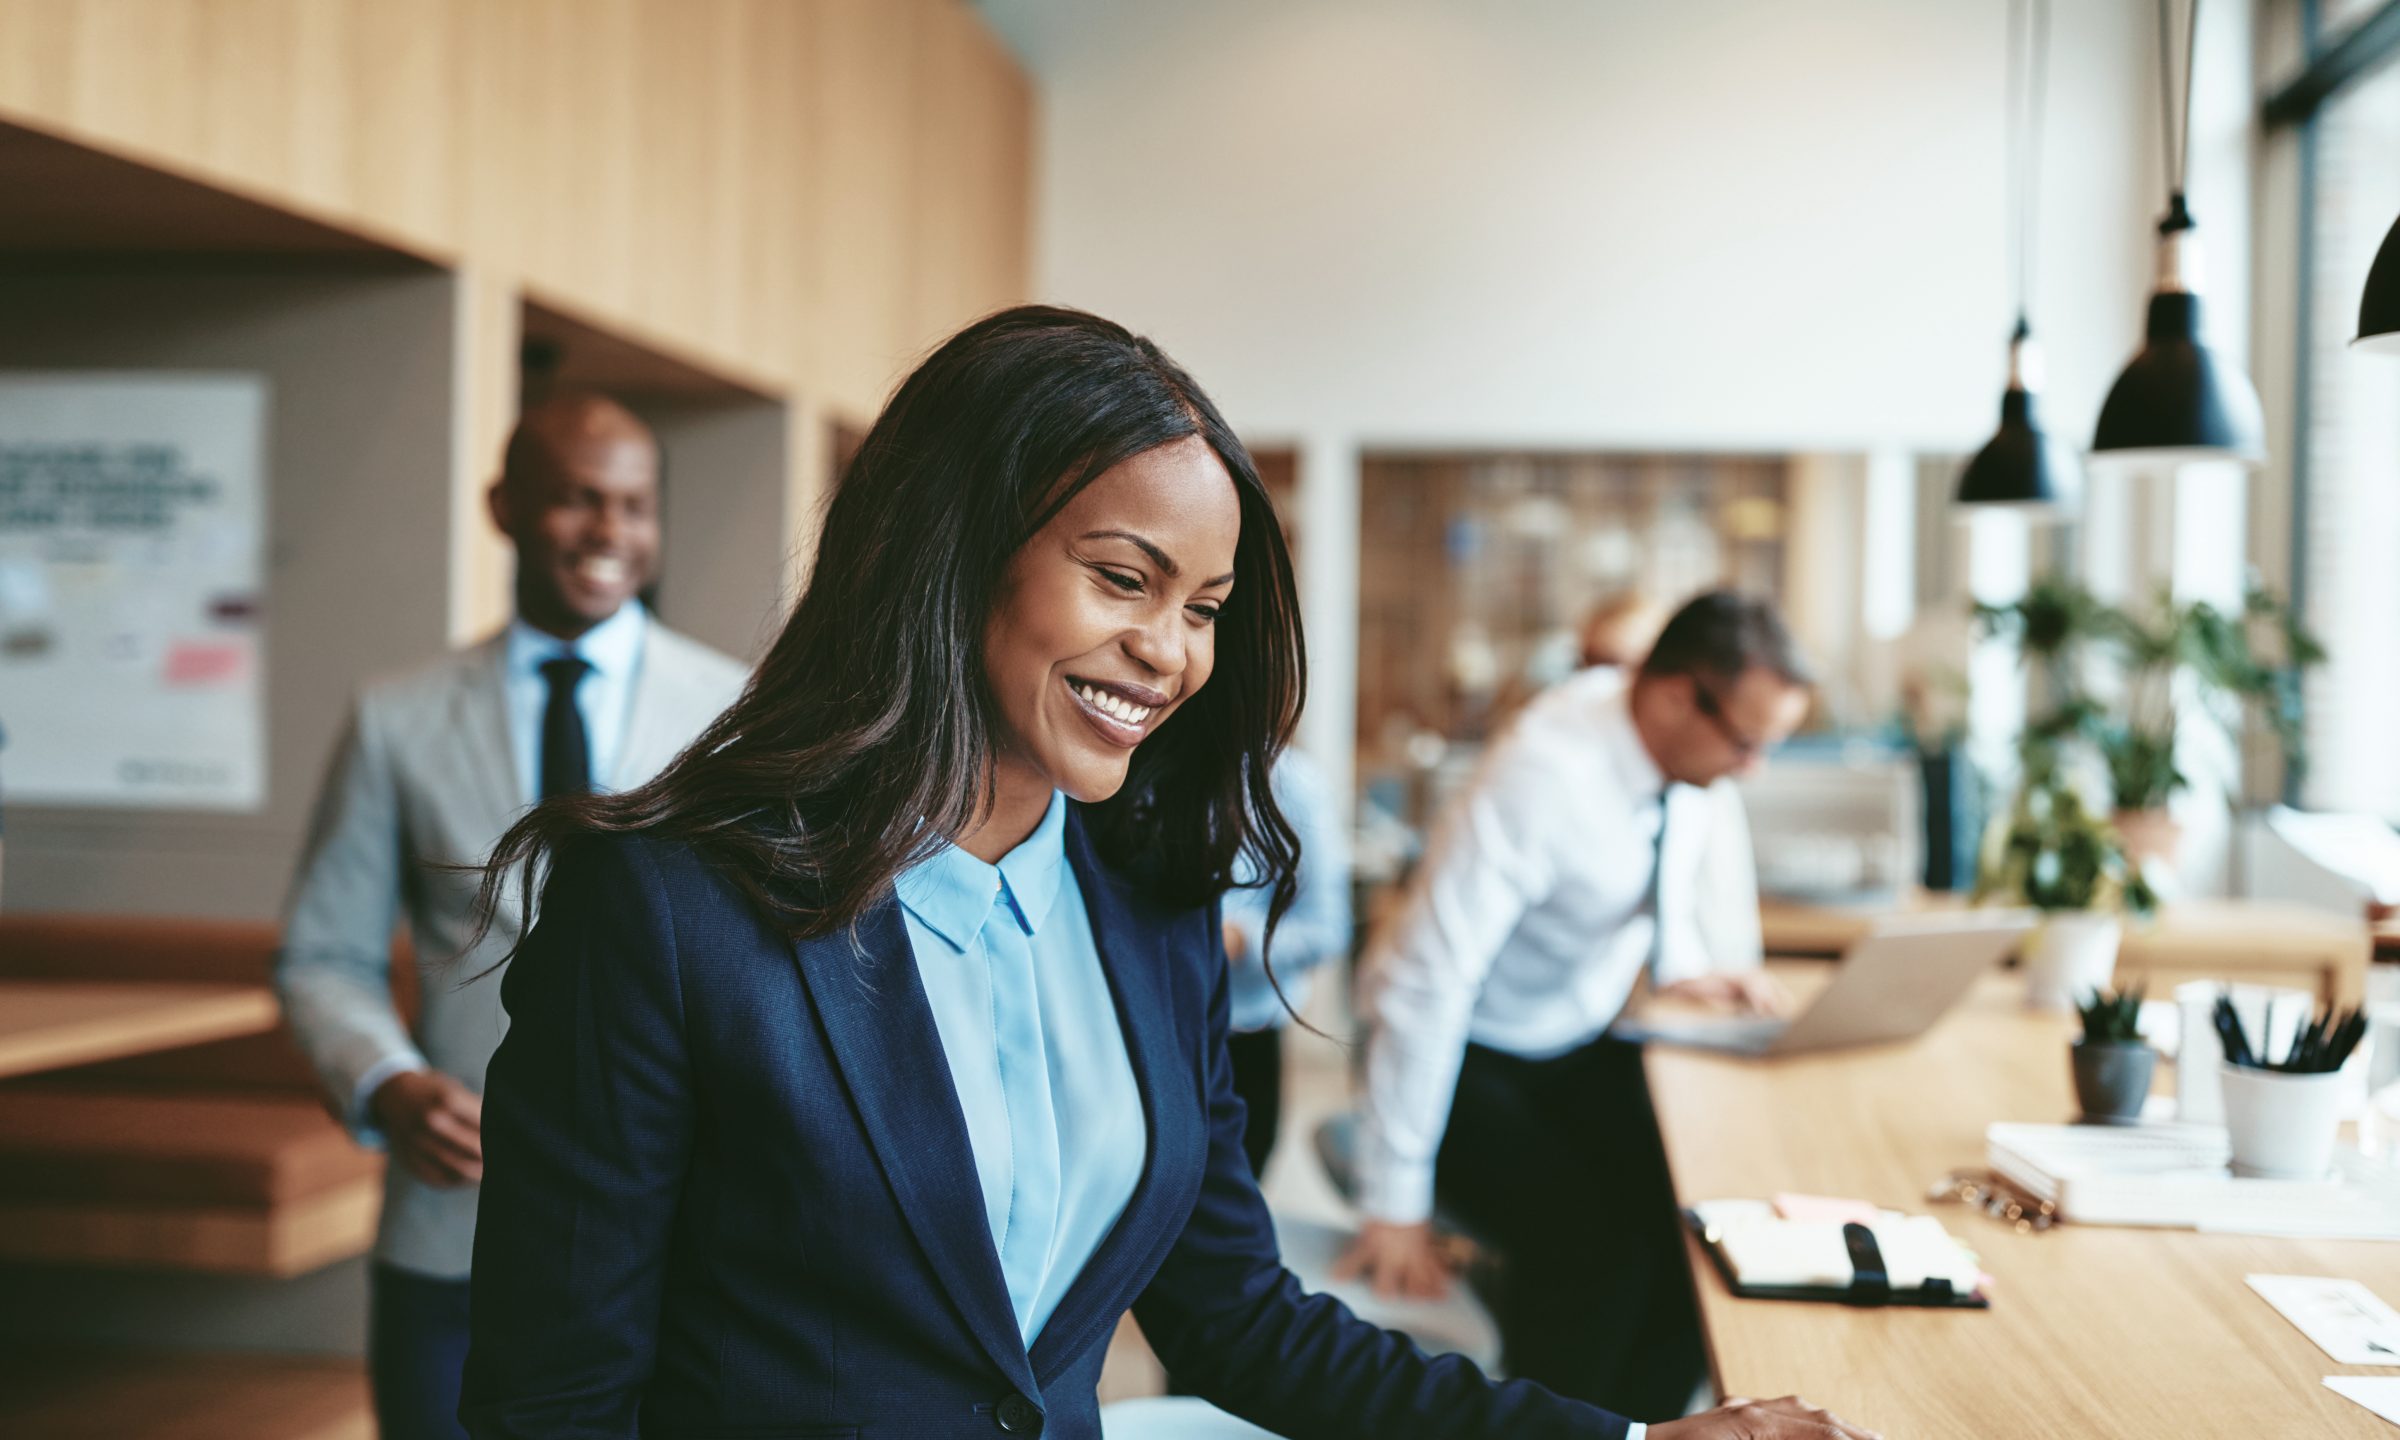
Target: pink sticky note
x=1827, y=1209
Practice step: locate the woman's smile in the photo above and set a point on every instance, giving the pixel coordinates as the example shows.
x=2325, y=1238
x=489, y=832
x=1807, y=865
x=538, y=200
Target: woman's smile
x=1122, y=714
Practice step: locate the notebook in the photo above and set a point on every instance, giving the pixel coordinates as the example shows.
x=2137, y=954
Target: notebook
x=1891, y=1259
x=2175, y=1175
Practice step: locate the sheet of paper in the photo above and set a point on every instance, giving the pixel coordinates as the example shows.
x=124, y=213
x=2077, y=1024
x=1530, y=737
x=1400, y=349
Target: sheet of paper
x=2378, y=1393
x=1826, y=1208
x=2349, y=1322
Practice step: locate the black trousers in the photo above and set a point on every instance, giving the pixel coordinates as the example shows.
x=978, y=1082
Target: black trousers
x=416, y=1354
x=1258, y=1079
x=1557, y=1164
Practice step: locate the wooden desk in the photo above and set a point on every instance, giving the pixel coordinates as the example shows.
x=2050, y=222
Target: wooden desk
x=52, y=1024
x=2260, y=941
x=2092, y=1332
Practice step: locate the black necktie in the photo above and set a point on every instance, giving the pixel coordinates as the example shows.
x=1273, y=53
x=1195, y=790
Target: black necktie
x=566, y=750
x=1658, y=876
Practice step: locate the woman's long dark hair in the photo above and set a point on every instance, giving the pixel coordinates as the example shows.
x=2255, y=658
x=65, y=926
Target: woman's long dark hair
x=866, y=738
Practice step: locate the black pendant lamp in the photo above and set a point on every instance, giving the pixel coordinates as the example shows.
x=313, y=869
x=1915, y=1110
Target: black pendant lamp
x=2178, y=401
x=2022, y=467
x=2379, y=304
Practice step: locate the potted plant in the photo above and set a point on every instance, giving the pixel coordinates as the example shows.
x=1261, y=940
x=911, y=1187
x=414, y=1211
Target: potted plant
x=2231, y=667
x=2112, y=1061
x=2155, y=665
x=2053, y=853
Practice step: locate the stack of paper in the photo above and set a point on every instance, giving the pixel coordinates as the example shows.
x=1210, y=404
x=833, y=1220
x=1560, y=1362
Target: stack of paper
x=2177, y=1176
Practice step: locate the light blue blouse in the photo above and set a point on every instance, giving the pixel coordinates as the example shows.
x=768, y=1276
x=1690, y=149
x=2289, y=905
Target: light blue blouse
x=1029, y=1027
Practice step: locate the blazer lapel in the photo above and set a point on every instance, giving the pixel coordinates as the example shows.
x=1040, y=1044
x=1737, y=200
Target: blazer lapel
x=652, y=736
x=483, y=734
x=1134, y=953
x=880, y=1028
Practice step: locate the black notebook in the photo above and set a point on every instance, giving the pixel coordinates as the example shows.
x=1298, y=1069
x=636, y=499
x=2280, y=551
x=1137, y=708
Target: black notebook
x=1765, y=1257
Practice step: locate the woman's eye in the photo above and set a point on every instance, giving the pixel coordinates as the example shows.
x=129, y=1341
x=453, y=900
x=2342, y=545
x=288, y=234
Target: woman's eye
x=1207, y=613
x=1130, y=584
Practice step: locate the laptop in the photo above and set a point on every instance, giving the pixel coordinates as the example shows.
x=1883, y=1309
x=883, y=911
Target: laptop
x=1892, y=985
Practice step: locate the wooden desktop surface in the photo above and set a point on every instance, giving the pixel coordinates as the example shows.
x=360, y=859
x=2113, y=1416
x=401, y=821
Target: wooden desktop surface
x=2093, y=1332
x=52, y=1024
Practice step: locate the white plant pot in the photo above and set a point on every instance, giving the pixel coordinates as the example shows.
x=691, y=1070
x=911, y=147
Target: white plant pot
x=2068, y=957
x=2281, y=1127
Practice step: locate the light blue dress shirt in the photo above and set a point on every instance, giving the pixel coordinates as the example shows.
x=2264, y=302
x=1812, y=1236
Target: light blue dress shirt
x=613, y=648
x=1029, y=1026
x=1317, y=927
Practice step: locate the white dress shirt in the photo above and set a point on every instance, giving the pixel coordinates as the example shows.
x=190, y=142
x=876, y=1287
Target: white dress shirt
x=1529, y=920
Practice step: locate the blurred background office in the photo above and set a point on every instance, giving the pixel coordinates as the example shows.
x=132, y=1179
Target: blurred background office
x=1537, y=314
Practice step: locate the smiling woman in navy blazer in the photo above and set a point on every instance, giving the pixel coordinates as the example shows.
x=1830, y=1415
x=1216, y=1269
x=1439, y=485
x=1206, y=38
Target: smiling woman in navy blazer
x=869, y=1063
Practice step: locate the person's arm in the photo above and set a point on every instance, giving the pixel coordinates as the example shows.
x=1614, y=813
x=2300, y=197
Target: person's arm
x=1234, y=1327
x=587, y=1134
x=333, y=969
x=1490, y=860
x=1714, y=956
x=1317, y=927
x=1726, y=902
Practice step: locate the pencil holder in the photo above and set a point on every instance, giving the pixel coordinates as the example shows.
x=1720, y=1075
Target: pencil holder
x=2281, y=1127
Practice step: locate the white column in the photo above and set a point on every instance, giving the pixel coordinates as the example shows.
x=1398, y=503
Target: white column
x=1329, y=511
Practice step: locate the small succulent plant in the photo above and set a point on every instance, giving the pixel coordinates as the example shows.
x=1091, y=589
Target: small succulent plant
x=2112, y=1018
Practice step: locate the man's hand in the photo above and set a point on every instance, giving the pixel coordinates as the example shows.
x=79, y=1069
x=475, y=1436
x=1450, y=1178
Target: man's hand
x=1400, y=1261
x=1790, y=1418
x=1747, y=992
x=434, y=1125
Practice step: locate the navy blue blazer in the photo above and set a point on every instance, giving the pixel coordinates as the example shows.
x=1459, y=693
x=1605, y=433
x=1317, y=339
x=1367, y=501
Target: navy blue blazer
x=728, y=1192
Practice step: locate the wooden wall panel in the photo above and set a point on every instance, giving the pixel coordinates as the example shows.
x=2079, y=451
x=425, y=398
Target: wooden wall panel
x=806, y=192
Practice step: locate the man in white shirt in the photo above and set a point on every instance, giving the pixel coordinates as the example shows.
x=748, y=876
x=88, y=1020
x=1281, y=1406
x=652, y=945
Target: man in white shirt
x=1577, y=864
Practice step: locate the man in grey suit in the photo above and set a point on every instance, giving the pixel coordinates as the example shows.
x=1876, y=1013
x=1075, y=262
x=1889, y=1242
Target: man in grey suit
x=582, y=690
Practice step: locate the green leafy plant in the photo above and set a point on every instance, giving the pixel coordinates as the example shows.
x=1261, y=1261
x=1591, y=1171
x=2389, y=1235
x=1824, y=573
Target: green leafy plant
x=2238, y=666
x=2053, y=853
x=2112, y=1018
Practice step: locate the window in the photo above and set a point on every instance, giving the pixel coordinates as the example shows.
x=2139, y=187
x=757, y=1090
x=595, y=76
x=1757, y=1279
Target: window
x=2347, y=507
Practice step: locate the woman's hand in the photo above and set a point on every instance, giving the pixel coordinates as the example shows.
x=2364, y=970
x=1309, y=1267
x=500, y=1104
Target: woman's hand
x=434, y=1125
x=1790, y=1418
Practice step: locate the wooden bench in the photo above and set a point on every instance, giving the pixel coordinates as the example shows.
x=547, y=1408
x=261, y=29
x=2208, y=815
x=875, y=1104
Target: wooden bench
x=218, y=1157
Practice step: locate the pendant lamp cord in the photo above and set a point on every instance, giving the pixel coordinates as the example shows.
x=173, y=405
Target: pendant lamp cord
x=2028, y=67
x=2176, y=135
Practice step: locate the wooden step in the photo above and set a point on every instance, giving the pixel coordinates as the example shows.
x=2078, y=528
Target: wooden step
x=49, y=1393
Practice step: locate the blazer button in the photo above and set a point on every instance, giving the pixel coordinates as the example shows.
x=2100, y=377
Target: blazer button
x=1018, y=1415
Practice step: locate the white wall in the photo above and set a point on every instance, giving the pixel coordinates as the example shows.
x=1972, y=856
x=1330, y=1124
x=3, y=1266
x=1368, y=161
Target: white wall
x=1737, y=221
x=1605, y=223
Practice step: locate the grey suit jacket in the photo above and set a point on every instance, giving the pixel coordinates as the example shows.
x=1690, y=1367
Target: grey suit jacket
x=425, y=780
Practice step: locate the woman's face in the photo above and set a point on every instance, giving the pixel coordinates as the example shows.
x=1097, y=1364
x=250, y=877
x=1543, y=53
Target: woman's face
x=1105, y=620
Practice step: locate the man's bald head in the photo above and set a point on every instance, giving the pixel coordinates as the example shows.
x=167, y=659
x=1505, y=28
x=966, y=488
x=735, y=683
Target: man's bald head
x=578, y=495
x=554, y=433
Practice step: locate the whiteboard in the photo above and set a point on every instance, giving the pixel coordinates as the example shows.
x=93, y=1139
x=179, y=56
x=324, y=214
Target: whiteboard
x=132, y=506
